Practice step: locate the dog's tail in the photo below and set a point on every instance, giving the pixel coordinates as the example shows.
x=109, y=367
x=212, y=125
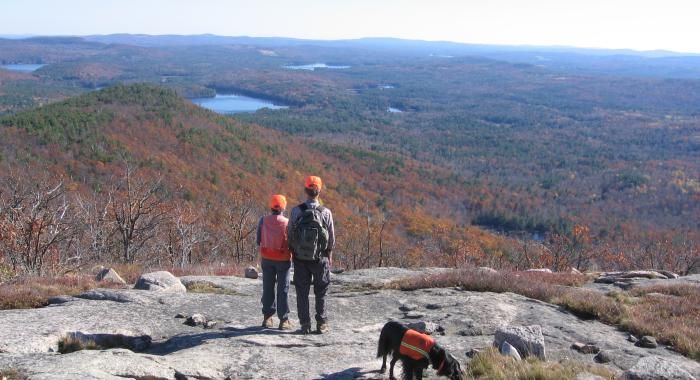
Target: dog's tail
x=383, y=347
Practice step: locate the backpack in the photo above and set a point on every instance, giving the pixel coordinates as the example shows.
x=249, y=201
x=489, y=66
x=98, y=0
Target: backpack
x=309, y=236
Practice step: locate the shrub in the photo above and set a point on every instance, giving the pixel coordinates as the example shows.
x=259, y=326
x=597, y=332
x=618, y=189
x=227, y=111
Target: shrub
x=492, y=365
x=670, y=313
x=33, y=292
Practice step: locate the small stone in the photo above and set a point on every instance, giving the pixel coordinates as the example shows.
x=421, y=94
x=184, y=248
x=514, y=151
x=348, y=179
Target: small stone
x=603, y=357
x=647, y=342
x=196, y=320
x=180, y=316
x=473, y=352
x=252, y=273
x=209, y=324
x=632, y=338
x=585, y=348
x=408, y=307
x=337, y=270
x=414, y=315
x=433, y=306
x=508, y=350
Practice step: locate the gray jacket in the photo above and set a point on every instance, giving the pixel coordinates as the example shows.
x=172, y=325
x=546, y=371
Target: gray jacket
x=326, y=216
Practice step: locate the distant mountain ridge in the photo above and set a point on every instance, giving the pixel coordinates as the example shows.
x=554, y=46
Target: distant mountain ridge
x=615, y=62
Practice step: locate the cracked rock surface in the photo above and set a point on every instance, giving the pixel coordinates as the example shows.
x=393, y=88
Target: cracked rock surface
x=238, y=348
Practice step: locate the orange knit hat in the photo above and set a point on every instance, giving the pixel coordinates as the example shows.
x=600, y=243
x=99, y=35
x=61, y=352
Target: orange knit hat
x=313, y=181
x=278, y=201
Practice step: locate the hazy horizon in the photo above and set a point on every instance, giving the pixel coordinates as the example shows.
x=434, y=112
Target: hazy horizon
x=598, y=24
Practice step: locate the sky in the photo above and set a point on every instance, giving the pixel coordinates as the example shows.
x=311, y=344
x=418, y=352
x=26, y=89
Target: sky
x=633, y=24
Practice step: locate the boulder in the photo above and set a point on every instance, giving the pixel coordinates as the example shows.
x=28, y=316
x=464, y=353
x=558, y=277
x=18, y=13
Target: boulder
x=406, y=307
x=528, y=340
x=656, y=368
x=507, y=349
x=633, y=275
x=109, y=275
x=429, y=328
x=160, y=282
x=486, y=270
x=603, y=357
x=543, y=270
x=647, y=342
x=252, y=273
x=574, y=271
x=196, y=320
x=585, y=348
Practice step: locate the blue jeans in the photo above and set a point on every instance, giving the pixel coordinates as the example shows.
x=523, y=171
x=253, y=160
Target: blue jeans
x=275, y=272
x=307, y=273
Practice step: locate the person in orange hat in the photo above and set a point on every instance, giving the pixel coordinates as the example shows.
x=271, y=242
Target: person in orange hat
x=275, y=261
x=311, y=239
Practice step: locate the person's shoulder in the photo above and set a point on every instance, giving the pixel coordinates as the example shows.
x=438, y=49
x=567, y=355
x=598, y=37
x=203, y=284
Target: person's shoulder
x=326, y=210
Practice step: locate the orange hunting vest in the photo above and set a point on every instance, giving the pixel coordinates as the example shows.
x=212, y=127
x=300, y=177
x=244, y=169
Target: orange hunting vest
x=416, y=345
x=273, y=238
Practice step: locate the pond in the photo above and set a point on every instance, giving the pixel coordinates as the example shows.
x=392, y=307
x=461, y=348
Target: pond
x=22, y=67
x=233, y=103
x=314, y=66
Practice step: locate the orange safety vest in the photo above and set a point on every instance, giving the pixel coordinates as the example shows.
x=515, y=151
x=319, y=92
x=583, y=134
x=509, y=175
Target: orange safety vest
x=416, y=345
x=273, y=238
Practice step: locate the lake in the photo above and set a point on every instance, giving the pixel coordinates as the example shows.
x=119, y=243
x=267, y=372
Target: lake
x=232, y=103
x=314, y=66
x=22, y=67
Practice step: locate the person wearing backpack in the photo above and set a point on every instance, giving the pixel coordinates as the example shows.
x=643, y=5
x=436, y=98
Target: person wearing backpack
x=311, y=240
x=275, y=261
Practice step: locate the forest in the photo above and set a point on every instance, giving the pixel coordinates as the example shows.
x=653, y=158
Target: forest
x=490, y=162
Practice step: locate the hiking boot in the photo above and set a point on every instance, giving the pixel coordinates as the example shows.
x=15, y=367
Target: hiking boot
x=268, y=323
x=305, y=330
x=285, y=325
x=322, y=327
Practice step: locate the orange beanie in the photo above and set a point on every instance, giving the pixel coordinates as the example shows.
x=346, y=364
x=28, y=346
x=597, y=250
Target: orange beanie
x=313, y=181
x=278, y=201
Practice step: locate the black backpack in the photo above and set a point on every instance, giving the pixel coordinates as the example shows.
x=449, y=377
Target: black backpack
x=309, y=236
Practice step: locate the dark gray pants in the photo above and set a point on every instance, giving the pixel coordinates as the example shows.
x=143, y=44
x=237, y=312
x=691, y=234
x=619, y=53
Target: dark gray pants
x=275, y=272
x=307, y=273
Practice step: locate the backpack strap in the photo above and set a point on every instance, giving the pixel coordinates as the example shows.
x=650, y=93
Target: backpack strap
x=303, y=207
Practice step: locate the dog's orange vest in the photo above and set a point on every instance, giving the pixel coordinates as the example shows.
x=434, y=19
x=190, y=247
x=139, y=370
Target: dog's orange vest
x=273, y=238
x=416, y=345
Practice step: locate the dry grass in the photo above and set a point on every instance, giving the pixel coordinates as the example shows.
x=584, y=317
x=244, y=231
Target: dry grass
x=11, y=374
x=207, y=287
x=209, y=270
x=131, y=272
x=493, y=366
x=670, y=313
x=71, y=343
x=539, y=285
x=33, y=292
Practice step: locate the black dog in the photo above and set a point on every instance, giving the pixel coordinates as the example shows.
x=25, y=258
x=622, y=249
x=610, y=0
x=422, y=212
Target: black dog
x=416, y=351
